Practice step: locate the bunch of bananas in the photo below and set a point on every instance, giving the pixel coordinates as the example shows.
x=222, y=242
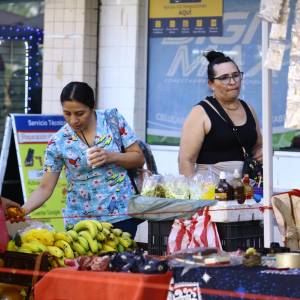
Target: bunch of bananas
x=87, y=237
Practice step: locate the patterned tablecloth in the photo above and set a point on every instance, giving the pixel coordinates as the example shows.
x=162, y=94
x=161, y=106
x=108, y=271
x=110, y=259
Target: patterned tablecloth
x=236, y=282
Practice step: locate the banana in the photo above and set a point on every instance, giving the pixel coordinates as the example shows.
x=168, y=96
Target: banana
x=60, y=261
x=89, y=253
x=73, y=234
x=116, y=239
x=126, y=235
x=100, y=236
x=11, y=246
x=105, y=231
x=125, y=242
x=117, y=231
x=107, y=225
x=55, y=251
x=34, y=246
x=79, y=249
x=87, y=225
x=63, y=236
x=107, y=248
x=111, y=243
x=65, y=247
x=45, y=236
x=84, y=243
x=53, y=263
x=24, y=250
x=120, y=248
x=111, y=236
x=99, y=246
x=92, y=243
x=98, y=224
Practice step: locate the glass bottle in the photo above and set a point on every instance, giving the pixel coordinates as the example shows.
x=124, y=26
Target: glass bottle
x=238, y=187
x=248, y=189
x=223, y=190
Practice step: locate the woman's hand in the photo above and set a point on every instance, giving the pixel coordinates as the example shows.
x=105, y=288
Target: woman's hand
x=257, y=155
x=98, y=157
x=132, y=157
x=13, y=211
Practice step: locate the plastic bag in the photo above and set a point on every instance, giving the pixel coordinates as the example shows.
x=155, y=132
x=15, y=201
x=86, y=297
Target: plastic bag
x=164, y=209
x=196, y=232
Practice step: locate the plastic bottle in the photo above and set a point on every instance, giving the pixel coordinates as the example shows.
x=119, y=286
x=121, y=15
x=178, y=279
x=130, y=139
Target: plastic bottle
x=248, y=189
x=238, y=187
x=209, y=186
x=223, y=190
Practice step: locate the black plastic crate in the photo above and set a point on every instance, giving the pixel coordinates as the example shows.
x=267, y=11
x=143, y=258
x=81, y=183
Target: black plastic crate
x=158, y=233
x=241, y=235
x=16, y=262
x=233, y=236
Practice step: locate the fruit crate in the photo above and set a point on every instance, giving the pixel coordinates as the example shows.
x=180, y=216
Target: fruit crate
x=158, y=233
x=241, y=235
x=22, y=269
x=233, y=235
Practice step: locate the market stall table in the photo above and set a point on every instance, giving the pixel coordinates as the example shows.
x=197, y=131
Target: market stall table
x=235, y=282
x=68, y=284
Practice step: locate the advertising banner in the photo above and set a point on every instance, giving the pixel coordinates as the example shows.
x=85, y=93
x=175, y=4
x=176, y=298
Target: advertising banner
x=181, y=18
x=31, y=134
x=177, y=74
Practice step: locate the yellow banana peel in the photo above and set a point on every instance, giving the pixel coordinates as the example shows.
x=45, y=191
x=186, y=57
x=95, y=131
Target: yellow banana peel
x=63, y=236
x=92, y=243
x=55, y=251
x=68, y=252
x=87, y=225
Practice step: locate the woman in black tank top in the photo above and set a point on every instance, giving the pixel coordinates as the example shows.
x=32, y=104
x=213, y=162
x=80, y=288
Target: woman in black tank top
x=207, y=136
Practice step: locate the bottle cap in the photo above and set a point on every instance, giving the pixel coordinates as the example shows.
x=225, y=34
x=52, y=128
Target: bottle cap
x=236, y=173
x=222, y=175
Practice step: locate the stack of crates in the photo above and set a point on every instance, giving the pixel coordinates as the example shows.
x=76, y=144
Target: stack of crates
x=233, y=235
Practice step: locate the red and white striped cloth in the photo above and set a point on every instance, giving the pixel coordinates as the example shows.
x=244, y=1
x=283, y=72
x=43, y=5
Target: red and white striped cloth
x=198, y=231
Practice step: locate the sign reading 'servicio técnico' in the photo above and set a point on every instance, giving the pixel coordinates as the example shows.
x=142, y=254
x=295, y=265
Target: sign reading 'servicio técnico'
x=31, y=135
x=183, y=18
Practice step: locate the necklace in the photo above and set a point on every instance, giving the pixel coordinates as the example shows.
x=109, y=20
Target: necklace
x=87, y=143
x=231, y=108
x=85, y=140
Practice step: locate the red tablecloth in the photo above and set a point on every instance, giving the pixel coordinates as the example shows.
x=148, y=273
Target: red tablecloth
x=67, y=284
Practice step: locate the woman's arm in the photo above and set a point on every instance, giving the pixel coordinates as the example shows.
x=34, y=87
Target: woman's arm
x=132, y=158
x=194, y=130
x=42, y=193
x=257, y=149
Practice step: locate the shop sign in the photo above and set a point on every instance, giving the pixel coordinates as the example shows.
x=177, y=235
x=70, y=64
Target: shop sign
x=182, y=18
x=31, y=133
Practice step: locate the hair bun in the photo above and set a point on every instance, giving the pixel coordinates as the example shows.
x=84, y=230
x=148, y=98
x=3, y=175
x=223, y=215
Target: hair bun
x=212, y=55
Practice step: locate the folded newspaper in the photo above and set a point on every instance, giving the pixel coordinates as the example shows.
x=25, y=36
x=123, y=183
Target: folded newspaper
x=164, y=209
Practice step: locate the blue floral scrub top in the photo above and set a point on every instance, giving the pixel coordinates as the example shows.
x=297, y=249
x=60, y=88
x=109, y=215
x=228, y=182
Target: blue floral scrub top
x=100, y=192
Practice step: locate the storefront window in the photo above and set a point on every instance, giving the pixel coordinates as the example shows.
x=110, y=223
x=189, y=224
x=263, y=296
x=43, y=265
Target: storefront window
x=21, y=40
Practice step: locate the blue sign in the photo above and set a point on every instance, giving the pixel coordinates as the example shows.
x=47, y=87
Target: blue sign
x=177, y=72
x=38, y=122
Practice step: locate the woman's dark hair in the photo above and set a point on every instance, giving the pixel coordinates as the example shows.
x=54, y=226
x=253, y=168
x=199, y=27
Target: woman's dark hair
x=78, y=91
x=215, y=58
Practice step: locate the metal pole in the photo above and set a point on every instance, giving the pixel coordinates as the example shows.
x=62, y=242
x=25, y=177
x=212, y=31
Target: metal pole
x=267, y=138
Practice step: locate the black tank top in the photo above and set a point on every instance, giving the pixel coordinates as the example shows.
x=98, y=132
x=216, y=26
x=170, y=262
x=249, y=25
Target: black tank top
x=220, y=144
